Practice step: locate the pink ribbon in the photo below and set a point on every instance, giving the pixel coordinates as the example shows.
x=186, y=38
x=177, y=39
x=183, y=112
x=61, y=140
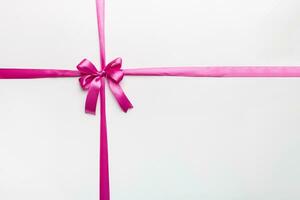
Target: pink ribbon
x=90, y=79
x=93, y=81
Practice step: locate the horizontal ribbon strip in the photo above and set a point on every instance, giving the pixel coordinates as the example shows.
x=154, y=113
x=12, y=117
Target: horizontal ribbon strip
x=13, y=73
x=217, y=72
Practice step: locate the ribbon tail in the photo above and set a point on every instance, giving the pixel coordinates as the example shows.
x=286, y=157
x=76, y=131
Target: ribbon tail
x=92, y=96
x=120, y=96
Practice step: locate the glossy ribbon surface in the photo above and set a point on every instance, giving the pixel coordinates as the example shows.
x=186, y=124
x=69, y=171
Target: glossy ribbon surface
x=93, y=81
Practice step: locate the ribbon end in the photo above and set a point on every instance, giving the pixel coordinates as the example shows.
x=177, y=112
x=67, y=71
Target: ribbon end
x=125, y=108
x=90, y=112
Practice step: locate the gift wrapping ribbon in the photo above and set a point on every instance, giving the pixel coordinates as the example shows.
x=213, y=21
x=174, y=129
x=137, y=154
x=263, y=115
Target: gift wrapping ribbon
x=93, y=81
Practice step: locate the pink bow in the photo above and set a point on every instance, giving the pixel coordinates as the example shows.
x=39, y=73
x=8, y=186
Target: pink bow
x=90, y=79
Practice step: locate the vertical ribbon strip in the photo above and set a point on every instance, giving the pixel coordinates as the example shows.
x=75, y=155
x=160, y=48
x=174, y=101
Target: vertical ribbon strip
x=103, y=160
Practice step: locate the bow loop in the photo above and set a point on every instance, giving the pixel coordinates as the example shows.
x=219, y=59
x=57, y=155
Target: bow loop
x=86, y=67
x=115, y=64
x=114, y=70
x=90, y=80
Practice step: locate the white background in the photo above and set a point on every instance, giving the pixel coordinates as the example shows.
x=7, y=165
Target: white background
x=187, y=138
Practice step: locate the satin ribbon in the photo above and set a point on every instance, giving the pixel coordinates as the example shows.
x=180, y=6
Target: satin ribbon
x=212, y=72
x=91, y=80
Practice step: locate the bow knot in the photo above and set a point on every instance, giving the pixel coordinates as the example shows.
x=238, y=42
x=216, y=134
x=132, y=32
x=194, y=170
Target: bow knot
x=90, y=80
x=101, y=73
